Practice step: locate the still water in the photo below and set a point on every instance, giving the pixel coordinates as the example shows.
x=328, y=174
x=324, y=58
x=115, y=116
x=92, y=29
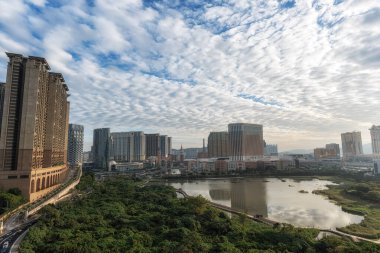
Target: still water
x=277, y=199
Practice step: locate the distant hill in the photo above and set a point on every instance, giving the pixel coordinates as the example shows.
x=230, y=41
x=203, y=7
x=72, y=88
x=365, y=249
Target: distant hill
x=298, y=151
x=367, y=149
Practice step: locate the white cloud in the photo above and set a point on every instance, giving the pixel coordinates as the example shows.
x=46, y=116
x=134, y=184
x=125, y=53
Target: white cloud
x=307, y=73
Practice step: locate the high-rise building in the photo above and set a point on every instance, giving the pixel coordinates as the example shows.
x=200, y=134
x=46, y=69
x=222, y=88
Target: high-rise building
x=34, y=127
x=101, y=148
x=217, y=144
x=333, y=150
x=245, y=141
x=2, y=93
x=375, y=140
x=75, y=147
x=352, y=144
x=138, y=140
x=169, y=145
x=127, y=146
x=152, y=145
x=164, y=146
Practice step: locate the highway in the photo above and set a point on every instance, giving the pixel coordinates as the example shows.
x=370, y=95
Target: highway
x=8, y=239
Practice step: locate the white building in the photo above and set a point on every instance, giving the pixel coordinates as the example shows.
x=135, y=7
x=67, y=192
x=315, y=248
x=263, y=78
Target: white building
x=375, y=140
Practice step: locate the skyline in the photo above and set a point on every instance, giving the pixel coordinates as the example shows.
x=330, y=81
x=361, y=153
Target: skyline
x=306, y=70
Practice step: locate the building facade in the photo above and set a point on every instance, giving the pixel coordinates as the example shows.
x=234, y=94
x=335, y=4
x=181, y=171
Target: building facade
x=75, y=147
x=270, y=149
x=375, y=140
x=2, y=93
x=217, y=145
x=34, y=127
x=164, y=146
x=352, y=144
x=152, y=145
x=333, y=149
x=127, y=147
x=245, y=141
x=138, y=146
x=101, y=148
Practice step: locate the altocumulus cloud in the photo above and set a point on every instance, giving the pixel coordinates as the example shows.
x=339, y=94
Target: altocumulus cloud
x=307, y=70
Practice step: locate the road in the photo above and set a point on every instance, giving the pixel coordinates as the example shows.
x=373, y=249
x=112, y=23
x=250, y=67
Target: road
x=8, y=239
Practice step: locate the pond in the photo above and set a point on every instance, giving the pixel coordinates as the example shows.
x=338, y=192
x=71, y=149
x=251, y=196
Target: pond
x=283, y=200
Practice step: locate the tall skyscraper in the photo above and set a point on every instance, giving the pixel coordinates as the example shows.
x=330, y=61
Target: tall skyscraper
x=152, y=145
x=169, y=145
x=75, y=146
x=352, y=144
x=164, y=146
x=217, y=145
x=375, y=140
x=2, y=93
x=127, y=146
x=138, y=140
x=34, y=127
x=121, y=147
x=245, y=141
x=101, y=148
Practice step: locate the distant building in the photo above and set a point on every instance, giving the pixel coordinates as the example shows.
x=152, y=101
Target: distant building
x=34, y=127
x=164, y=146
x=375, y=140
x=352, y=144
x=75, y=146
x=203, y=154
x=170, y=146
x=101, y=148
x=152, y=145
x=333, y=149
x=86, y=156
x=138, y=146
x=270, y=150
x=121, y=147
x=127, y=146
x=245, y=141
x=217, y=144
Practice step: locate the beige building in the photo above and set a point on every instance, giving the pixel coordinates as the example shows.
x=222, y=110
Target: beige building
x=375, y=140
x=352, y=144
x=34, y=129
x=217, y=145
x=245, y=141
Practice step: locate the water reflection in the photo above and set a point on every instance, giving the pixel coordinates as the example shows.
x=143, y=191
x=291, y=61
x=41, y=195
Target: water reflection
x=276, y=199
x=249, y=197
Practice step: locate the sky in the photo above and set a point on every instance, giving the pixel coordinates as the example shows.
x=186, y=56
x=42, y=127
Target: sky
x=307, y=70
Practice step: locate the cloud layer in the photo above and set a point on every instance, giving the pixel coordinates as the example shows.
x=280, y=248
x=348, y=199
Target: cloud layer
x=306, y=70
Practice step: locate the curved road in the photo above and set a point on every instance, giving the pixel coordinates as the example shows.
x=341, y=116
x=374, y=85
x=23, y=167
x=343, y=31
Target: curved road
x=8, y=239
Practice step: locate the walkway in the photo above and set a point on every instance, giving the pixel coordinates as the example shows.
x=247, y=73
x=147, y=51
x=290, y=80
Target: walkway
x=260, y=219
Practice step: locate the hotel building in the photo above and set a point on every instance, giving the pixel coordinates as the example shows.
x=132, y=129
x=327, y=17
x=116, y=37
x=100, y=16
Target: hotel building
x=34, y=127
x=245, y=141
x=75, y=146
x=352, y=144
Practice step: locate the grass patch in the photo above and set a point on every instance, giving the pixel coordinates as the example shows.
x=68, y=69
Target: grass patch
x=358, y=197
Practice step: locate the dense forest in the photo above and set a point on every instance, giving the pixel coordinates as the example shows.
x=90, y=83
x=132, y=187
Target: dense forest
x=119, y=215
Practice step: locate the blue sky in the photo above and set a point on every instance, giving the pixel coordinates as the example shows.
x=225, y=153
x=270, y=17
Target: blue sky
x=307, y=70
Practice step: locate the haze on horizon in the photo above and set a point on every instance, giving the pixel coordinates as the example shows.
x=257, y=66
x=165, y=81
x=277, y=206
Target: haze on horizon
x=306, y=70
